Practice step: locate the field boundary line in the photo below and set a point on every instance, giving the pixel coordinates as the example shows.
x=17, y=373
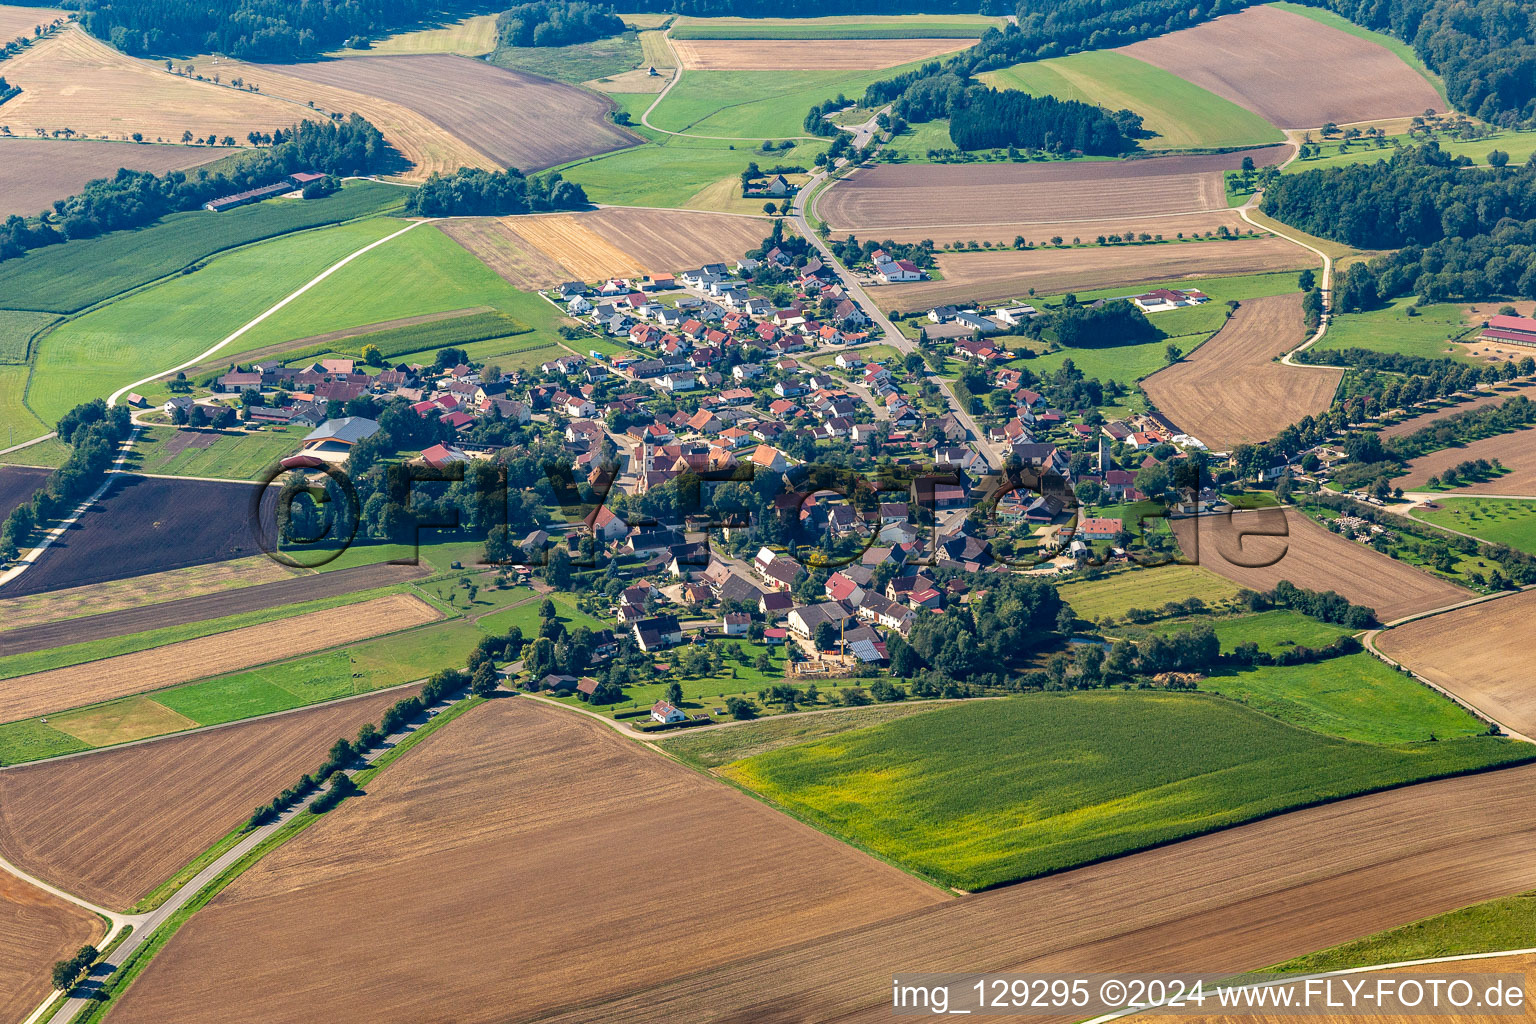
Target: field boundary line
x=1326, y=287
x=645, y=118
x=35, y=440
x=236, y=335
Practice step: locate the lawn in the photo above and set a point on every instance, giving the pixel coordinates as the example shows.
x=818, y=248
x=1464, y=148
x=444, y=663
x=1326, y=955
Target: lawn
x=1490, y=927
x=1115, y=594
x=880, y=26
x=235, y=455
x=1182, y=115
x=1390, y=329
x=722, y=746
x=159, y=327
x=1503, y=521
x=981, y=794
x=68, y=277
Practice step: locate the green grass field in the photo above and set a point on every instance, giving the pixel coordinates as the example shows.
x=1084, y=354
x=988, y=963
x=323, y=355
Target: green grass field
x=1275, y=630
x=1183, y=115
x=722, y=746
x=174, y=321
x=525, y=616
x=232, y=456
x=1490, y=927
x=1500, y=520
x=1115, y=594
x=1391, y=329
x=579, y=62
x=978, y=795
x=880, y=26
x=757, y=105
x=16, y=330
x=17, y=422
x=737, y=676
x=68, y=277
x=1404, y=51
x=914, y=143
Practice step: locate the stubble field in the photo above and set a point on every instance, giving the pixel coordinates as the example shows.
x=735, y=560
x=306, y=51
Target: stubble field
x=1413, y=424
x=1260, y=548
x=1230, y=390
x=496, y=243
x=671, y=863
x=808, y=55
x=35, y=172
x=1475, y=653
x=89, y=683
x=20, y=21
x=36, y=930
x=1291, y=70
x=1000, y=274
x=111, y=826
x=1517, y=451
x=1041, y=232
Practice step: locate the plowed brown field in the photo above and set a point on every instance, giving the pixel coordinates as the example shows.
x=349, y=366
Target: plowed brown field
x=510, y=119
x=809, y=55
x=1002, y=274
x=1230, y=391
x=1042, y=232
x=1482, y=401
x=919, y=196
x=1259, y=549
x=524, y=859
x=1291, y=70
x=1517, y=451
x=36, y=930
x=61, y=688
x=111, y=826
x=1481, y=653
x=71, y=80
x=35, y=172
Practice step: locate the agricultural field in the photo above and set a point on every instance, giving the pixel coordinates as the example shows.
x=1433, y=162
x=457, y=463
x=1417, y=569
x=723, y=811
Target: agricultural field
x=1100, y=195
x=1427, y=333
x=1163, y=767
x=578, y=62
x=510, y=119
x=36, y=930
x=1508, y=521
x=495, y=242
x=227, y=455
x=1517, y=451
x=1230, y=390
x=1470, y=652
x=1180, y=115
x=64, y=820
x=35, y=172
x=20, y=21
x=1111, y=596
x=719, y=747
x=1304, y=75
x=17, y=485
x=1259, y=549
x=73, y=80
x=93, y=682
x=991, y=276
x=68, y=277
x=796, y=55
x=17, y=327
x=862, y=26
x=1439, y=411
x=145, y=525
x=472, y=37
x=756, y=105
x=471, y=813
x=1486, y=927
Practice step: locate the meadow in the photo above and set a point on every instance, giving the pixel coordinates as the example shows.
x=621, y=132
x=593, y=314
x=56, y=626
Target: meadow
x=105, y=349
x=897, y=26
x=1502, y=521
x=16, y=330
x=17, y=422
x=981, y=794
x=579, y=62
x=228, y=456
x=73, y=275
x=1489, y=927
x=1181, y=115
x=1389, y=328
x=1274, y=630
x=1112, y=595
x=738, y=676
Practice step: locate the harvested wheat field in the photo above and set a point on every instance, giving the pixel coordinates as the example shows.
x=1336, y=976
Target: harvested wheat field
x=1291, y=70
x=510, y=119
x=36, y=930
x=974, y=277
x=35, y=172
x=71, y=80
x=94, y=681
x=1517, y=451
x=111, y=826
x=583, y=253
x=20, y=21
x=1230, y=391
x=1234, y=901
x=495, y=881
x=921, y=196
x=496, y=243
x=1480, y=653
x=1497, y=396
x=1260, y=548
x=669, y=241
x=1041, y=232
x=809, y=55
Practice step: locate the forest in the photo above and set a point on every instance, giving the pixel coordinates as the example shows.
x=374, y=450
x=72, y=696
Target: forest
x=556, y=23
x=992, y=119
x=133, y=199
x=470, y=191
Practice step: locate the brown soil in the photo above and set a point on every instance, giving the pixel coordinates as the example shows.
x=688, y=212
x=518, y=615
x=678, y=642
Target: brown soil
x=494, y=242
x=1475, y=653
x=1291, y=70
x=526, y=850
x=112, y=825
x=1230, y=391
x=1517, y=451
x=36, y=931
x=809, y=54
x=35, y=172
x=19, y=21
x=78, y=685
x=1041, y=233
x=974, y=277
x=1416, y=423
x=1259, y=549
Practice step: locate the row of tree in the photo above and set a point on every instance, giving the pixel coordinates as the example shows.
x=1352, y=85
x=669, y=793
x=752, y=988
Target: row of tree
x=93, y=433
x=470, y=191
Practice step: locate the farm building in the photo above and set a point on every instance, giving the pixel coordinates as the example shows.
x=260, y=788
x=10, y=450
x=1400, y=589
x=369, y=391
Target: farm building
x=1169, y=298
x=1099, y=529
x=1519, y=329
x=332, y=440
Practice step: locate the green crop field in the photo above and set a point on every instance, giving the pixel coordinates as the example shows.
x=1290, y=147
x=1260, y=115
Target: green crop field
x=1501, y=520
x=427, y=337
x=981, y=794
x=159, y=327
x=1391, y=329
x=231, y=456
x=722, y=746
x=1274, y=630
x=892, y=26
x=1404, y=51
x=1183, y=115
x=17, y=422
x=1489, y=927
x=1116, y=594
x=68, y=277
x=16, y=330
x=672, y=170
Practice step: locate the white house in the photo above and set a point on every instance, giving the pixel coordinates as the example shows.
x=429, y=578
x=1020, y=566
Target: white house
x=578, y=306
x=899, y=270
x=666, y=714
x=1014, y=315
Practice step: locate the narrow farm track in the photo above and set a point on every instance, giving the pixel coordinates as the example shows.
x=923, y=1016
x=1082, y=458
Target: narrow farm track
x=677, y=76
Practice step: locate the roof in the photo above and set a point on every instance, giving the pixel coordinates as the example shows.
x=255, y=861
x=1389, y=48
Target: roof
x=349, y=430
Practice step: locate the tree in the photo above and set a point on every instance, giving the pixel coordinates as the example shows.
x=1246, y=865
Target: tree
x=372, y=356
x=1173, y=352
x=485, y=680
x=675, y=693
x=770, y=209
x=1497, y=158
x=740, y=708
x=763, y=662
x=826, y=636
